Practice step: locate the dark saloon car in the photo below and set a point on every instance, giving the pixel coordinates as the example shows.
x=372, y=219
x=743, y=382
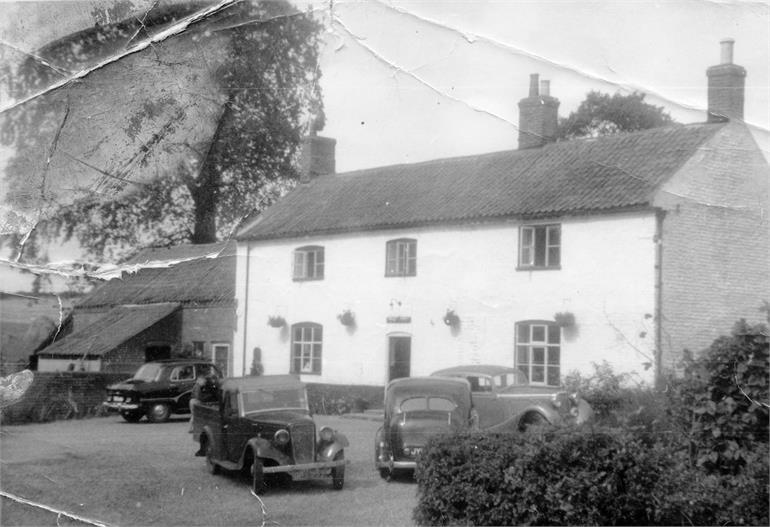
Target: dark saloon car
x=415, y=409
x=262, y=425
x=158, y=389
x=506, y=402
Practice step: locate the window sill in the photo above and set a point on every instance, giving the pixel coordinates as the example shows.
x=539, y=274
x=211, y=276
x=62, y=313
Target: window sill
x=400, y=275
x=307, y=279
x=538, y=268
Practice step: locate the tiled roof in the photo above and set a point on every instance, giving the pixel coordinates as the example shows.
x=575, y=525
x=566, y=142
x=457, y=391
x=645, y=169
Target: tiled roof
x=585, y=175
x=111, y=330
x=185, y=273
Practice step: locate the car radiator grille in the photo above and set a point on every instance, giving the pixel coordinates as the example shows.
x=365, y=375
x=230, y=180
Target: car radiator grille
x=303, y=443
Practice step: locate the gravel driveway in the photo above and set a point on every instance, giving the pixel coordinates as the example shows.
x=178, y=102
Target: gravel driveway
x=111, y=472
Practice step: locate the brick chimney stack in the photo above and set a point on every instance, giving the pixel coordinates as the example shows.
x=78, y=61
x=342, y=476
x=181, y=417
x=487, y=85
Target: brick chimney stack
x=538, y=115
x=726, y=83
x=316, y=157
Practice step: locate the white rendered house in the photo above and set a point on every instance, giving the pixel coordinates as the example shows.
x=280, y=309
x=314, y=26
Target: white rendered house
x=627, y=248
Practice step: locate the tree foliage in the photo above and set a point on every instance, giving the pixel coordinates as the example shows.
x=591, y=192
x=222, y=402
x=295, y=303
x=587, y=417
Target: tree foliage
x=175, y=143
x=602, y=114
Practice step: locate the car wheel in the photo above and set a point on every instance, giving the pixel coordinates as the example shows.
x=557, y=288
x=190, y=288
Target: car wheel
x=257, y=476
x=338, y=473
x=159, y=413
x=208, y=447
x=533, y=423
x=132, y=417
x=385, y=474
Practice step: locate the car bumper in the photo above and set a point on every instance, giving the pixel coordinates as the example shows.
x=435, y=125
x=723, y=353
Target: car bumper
x=121, y=407
x=397, y=465
x=306, y=471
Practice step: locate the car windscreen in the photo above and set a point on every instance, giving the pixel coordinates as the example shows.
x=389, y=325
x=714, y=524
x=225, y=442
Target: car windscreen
x=148, y=372
x=439, y=404
x=273, y=398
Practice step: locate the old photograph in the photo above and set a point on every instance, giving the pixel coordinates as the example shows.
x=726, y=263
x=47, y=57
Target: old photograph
x=384, y=262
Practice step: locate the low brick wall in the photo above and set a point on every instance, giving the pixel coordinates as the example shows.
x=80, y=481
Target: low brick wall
x=60, y=395
x=337, y=399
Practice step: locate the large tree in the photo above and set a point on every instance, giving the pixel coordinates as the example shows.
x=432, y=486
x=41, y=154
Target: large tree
x=175, y=142
x=602, y=114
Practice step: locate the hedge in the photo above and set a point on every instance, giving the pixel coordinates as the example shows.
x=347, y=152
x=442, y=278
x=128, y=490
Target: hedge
x=578, y=476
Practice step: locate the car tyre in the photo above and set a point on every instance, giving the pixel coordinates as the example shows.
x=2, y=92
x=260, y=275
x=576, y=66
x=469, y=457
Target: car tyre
x=338, y=473
x=257, y=476
x=159, y=413
x=385, y=474
x=132, y=417
x=533, y=423
x=211, y=466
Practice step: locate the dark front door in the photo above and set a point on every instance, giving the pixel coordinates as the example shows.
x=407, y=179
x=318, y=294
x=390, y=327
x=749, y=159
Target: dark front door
x=400, y=351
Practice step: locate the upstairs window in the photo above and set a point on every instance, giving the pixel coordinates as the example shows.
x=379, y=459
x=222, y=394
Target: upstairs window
x=401, y=257
x=540, y=247
x=538, y=351
x=309, y=263
x=306, y=347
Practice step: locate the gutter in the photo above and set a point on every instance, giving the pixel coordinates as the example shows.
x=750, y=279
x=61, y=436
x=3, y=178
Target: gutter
x=660, y=215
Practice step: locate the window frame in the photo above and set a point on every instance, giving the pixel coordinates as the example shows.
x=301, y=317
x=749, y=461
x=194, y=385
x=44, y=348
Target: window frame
x=310, y=349
x=302, y=272
x=531, y=248
x=227, y=348
x=398, y=262
x=527, y=342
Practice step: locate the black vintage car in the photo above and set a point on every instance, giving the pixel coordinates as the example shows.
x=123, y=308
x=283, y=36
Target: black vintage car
x=415, y=409
x=261, y=426
x=158, y=389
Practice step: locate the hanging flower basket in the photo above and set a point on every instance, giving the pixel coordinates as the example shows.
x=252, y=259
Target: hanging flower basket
x=451, y=319
x=564, y=320
x=347, y=318
x=276, y=321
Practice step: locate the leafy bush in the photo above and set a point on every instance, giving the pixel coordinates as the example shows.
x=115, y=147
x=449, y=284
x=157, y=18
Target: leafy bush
x=577, y=476
x=723, y=398
x=687, y=495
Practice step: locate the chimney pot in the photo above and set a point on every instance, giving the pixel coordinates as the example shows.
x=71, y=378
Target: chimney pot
x=533, y=79
x=545, y=88
x=727, y=51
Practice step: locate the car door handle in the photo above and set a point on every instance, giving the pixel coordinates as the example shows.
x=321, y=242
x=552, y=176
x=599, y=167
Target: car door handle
x=225, y=427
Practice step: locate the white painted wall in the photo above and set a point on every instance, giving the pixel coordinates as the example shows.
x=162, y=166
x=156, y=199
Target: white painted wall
x=607, y=281
x=45, y=365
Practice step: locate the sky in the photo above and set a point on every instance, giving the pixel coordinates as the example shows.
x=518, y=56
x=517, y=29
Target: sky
x=407, y=81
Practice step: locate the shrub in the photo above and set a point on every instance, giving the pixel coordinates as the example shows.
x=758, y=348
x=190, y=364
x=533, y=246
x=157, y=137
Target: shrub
x=723, y=399
x=580, y=477
x=569, y=476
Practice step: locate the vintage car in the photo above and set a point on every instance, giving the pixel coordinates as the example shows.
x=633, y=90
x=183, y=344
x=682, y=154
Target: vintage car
x=262, y=425
x=506, y=402
x=417, y=408
x=158, y=389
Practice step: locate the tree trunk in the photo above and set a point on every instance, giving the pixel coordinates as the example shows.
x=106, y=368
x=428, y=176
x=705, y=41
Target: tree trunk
x=205, y=189
x=204, y=197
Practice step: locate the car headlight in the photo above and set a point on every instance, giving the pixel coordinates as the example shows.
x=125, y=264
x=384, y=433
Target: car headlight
x=327, y=434
x=281, y=437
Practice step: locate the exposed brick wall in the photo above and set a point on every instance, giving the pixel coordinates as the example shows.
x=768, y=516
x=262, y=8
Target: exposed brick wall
x=81, y=392
x=715, y=243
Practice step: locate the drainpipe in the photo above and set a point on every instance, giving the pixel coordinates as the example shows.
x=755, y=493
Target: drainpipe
x=246, y=306
x=658, y=318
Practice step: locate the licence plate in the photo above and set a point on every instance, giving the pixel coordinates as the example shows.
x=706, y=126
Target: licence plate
x=117, y=398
